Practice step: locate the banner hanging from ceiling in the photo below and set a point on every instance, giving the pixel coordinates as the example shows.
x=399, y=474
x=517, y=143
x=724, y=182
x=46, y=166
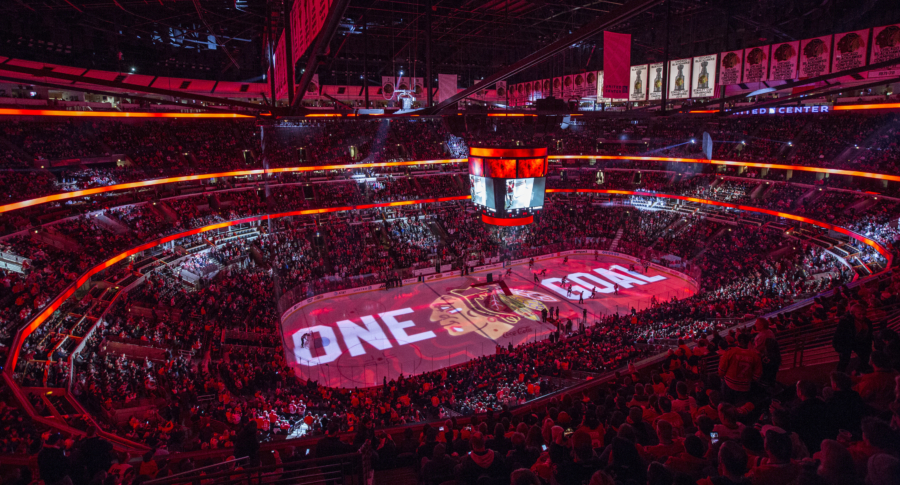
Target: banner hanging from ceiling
x=732, y=67
x=785, y=59
x=658, y=83
x=885, y=47
x=281, y=69
x=679, y=77
x=756, y=64
x=307, y=19
x=446, y=86
x=703, y=76
x=616, y=64
x=850, y=51
x=815, y=56
x=637, y=86
x=600, y=80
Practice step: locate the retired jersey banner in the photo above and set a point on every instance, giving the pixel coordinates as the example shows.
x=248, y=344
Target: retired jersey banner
x=703, y=78
x=885, y=47
x=732, y=68
x=679, y=76
x=637, y=86
x=756, y=64
x=616, y=64
x=815, y=56
x=785, y=58
x=849, y=51
x=657, y=83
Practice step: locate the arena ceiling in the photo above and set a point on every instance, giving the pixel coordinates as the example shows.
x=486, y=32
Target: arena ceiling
x=227, y=39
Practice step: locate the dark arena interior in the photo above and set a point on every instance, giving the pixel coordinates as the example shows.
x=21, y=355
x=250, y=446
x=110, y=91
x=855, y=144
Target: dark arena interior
x=446, y=242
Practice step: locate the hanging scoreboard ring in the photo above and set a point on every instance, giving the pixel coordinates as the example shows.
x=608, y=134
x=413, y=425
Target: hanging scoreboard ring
x=507, y=184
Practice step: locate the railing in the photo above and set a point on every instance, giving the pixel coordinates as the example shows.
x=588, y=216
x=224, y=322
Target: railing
x=349, y=469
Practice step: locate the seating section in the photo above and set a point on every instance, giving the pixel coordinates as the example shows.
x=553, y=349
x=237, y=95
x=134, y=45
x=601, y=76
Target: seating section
x=179, y=348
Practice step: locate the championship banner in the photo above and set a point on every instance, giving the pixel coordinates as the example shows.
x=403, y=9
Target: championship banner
x=568, y=86
x=590, y=83
x=885, y=46
x=501, y=89
x=679, y=76
x=600, y=98
x=850, y=51
x=446, y=86
x=638, y=83
x=784, y=61
x=656, y=88
x=616, y=64
x=732, y=68
x=281, y=69
x=581, y=85
x=815, y=56
x=388, y=86
x=703, y=78
x=756, y=64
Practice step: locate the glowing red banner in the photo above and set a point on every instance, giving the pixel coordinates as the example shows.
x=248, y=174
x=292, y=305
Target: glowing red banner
x=616, y=65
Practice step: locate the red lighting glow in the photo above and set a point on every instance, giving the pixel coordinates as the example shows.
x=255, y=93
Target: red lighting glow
x=490, y=152
x=854, y=107
x=60, y=299
x=496, y=221
x=507, y=152
x=113, y=114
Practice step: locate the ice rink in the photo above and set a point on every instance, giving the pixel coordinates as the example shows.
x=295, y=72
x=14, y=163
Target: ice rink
x=356, y=340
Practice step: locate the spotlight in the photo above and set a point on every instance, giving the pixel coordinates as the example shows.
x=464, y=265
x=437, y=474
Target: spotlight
x=693, y=141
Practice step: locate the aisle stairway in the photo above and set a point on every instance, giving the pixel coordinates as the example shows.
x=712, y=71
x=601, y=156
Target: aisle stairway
x=615, y=241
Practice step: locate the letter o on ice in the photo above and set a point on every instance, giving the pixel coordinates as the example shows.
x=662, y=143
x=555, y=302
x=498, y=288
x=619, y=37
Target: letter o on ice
x=332, y=348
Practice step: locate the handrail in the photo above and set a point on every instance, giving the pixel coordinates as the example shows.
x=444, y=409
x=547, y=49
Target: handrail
x=260, y=171
x=41, y=317
x=195, y=470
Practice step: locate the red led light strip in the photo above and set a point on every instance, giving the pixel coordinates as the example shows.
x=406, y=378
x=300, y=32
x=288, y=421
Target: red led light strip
x=507, y=152
x=59, y=300
x=497, y=221
x=524, y=153
x=876, y=246
x=187, y=178
x=113, y=114
x=802, y=168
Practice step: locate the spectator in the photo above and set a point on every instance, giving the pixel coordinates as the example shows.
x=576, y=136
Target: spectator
x=53, y=464
x=877, y=387
x=732, y=466
x=778, y=468
x=853, y=335
x=247, y=443
x=836, y=464
x=439, y=468
x=331, y=444
x=806, y=417
x=480, y=462
x=739, y=367
x=846, y=407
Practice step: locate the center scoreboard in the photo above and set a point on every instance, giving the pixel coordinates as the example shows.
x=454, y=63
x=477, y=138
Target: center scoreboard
x=507, y=184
